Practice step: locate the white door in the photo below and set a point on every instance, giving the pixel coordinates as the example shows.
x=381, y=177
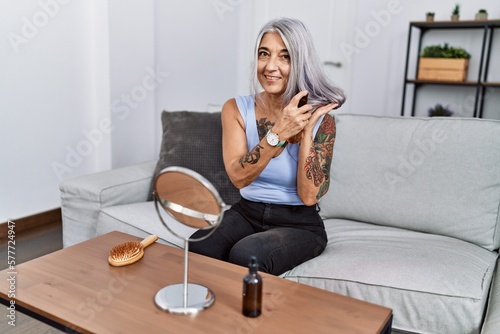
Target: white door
x=331, y=22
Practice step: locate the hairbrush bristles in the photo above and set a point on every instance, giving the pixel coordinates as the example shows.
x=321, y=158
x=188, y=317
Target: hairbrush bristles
x=125, y=251
x=129, y=252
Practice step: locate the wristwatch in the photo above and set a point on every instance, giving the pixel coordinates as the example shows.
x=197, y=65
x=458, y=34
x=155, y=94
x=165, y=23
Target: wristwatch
x=274, y=140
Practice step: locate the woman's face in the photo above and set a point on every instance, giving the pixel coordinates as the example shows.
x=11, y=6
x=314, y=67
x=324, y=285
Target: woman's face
x=273, y=65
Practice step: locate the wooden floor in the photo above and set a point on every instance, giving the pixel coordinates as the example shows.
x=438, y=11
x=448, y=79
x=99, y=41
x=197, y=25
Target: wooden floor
x=34, y=236
x=33, y=243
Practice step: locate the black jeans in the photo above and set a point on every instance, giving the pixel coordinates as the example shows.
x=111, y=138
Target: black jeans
x=280, y=236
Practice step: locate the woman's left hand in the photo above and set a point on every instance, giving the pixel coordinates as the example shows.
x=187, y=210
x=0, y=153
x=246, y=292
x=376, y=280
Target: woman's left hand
x=311, y=122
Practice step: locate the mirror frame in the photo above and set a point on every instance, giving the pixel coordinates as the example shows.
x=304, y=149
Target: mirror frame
x=213, y=221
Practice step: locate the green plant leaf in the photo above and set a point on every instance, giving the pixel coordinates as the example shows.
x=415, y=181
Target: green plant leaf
x=445, y=51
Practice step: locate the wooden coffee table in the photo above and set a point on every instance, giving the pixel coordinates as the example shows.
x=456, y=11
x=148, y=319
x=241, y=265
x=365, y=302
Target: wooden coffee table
x=75, y=289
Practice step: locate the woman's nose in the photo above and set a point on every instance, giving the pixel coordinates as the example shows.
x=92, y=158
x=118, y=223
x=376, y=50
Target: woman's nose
x=271, y=64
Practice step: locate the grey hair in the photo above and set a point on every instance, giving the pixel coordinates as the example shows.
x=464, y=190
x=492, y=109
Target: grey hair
x=306, y=71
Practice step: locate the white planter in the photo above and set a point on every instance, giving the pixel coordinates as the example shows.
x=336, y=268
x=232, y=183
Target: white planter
x=481, y=16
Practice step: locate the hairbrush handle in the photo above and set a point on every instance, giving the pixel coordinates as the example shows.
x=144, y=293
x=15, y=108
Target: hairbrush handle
x=149, y=240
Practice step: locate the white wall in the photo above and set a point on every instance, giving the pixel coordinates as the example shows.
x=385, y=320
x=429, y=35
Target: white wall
x=84, y=91
x=196, y=45
x=46, y=98
x=134, y=80
x=378, y=65
x=374, y=52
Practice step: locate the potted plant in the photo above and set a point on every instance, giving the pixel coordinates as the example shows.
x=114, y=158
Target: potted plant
x=439, y=111
x=443, y=63
x=429, y=16
x=482, y=15
x=455, y=13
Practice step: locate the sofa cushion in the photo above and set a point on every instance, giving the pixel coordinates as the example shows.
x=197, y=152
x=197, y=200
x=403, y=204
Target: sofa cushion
x=83, y=196
x=435, y=175
x=141, y=219
x=433, y=283
x=492, y=318
x=194, y=140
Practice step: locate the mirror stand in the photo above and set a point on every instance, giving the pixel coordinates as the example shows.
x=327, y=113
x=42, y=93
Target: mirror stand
x=186, y=298
x=193, y=201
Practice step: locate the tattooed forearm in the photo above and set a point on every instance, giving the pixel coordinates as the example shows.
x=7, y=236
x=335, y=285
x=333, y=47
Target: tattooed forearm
x=318, y=162
x=251, y=157
x=313, y=168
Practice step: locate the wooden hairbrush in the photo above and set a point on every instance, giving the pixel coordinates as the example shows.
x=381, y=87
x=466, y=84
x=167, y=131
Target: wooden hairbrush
x=129, y=252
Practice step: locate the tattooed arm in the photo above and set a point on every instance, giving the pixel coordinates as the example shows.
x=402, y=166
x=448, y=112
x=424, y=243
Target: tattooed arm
x=241, y=165
x=315, y=158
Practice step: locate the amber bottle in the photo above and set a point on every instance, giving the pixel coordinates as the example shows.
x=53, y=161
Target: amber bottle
x=252, y=290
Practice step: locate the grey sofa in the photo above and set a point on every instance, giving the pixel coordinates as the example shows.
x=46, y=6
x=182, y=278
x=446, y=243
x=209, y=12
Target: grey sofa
x=412, y=216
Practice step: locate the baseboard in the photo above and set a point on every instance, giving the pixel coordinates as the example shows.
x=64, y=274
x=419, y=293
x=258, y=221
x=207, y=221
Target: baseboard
x=32, y=222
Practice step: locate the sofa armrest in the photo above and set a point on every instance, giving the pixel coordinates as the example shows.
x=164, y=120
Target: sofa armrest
x=492, y=320
x=83, y=197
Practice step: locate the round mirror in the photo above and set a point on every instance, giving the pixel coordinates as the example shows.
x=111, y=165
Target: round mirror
x=193, y=201
x=189, y=197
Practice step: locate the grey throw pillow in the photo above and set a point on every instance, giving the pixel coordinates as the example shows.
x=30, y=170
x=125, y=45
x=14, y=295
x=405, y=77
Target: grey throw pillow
x=194, y=140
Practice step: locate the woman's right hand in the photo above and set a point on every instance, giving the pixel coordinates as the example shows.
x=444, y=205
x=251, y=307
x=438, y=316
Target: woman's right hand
x=293, y=119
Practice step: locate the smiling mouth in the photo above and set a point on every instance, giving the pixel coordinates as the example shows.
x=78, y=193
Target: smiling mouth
x=270, y=77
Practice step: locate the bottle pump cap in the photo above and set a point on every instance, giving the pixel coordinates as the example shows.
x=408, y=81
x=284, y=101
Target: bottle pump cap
x=253, y=265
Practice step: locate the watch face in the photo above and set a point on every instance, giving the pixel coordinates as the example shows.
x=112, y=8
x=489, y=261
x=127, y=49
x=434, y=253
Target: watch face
x=272, y=139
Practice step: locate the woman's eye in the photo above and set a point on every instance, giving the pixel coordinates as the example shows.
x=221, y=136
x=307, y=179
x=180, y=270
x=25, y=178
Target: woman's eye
x=263, y=54
x=286, y=57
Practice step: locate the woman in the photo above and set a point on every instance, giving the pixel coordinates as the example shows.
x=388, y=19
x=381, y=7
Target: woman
x=277, y=219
